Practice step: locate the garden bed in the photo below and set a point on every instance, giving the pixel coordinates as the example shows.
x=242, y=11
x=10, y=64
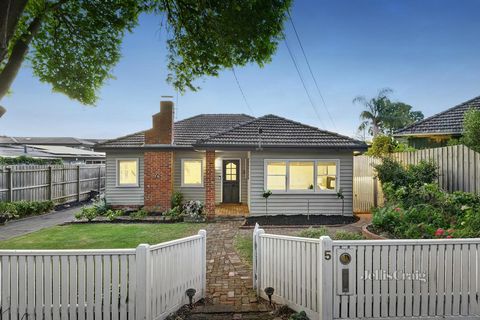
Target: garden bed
x=299, y=220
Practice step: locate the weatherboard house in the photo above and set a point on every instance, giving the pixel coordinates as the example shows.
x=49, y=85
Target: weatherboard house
x=231, y=160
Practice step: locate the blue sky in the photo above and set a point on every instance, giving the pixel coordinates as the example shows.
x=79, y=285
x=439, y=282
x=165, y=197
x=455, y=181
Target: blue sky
x=427, y=51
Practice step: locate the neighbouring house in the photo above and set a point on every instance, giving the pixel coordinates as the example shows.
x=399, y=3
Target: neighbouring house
x=71, y=142
x=67, y=154
x=435, y=131
x=231, y=159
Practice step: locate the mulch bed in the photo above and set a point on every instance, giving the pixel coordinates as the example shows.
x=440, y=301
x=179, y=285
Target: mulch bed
x=299, y=220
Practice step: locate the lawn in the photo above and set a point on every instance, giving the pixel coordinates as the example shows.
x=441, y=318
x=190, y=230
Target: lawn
x=244, y=246
x=101, y=236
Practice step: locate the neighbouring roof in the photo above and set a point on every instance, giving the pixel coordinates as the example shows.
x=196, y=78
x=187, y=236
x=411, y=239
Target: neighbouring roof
x=17, y=151
x=239, y=130
x=64, y=151
x=185, y=132
x=278, y=132
x=449, y=121
x=65, y=141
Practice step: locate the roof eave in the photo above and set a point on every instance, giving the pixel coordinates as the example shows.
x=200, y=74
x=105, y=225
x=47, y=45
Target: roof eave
x=249, y=147
x=427, y=134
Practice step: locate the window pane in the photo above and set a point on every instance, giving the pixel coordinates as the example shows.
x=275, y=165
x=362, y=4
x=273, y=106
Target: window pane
x=276, y=183
x=127, y=172
x=324, y=168
x=326, y=182
x=192, y=172
x=277, y=167
x=332, y=169
x=301, y=176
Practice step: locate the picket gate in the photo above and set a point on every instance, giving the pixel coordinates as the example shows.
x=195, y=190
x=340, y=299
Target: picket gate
x=381, y=279
x=148, y=282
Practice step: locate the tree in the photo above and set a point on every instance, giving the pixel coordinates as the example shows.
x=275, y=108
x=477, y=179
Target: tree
x=74, y=44
x=373, y=115
x=381, y=115
x=471, y=129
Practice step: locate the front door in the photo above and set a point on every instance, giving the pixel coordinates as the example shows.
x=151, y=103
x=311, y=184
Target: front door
x=231, y=181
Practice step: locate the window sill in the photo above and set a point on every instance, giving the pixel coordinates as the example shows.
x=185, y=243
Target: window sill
x=303, y=192
x=128, y=186
x=191, y=186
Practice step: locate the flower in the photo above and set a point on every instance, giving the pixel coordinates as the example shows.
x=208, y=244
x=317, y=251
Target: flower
x=440, y=232
x=449, y=237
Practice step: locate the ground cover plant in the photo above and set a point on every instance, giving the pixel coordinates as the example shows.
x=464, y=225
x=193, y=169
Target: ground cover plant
x=22, y=209
x=101, y=236
x=416, y=207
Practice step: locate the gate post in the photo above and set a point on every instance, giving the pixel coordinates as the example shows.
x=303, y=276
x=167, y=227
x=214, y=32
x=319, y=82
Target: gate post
x=257, y=251
x=143, y=303
x=325, y=279
x=203, y=233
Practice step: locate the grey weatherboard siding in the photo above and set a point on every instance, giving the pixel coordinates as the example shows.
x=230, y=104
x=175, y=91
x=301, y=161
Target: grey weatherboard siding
x=126, y=196
x=289, y=204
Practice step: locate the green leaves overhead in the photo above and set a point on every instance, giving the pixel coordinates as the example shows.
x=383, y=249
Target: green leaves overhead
x=74, y=44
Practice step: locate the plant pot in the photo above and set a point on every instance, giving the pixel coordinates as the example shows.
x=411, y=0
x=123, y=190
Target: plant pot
x=370, y=235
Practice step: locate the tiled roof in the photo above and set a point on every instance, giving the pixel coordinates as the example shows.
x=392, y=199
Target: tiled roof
x=46, y=141
x=282, y=133
x=449, y=121
x=186, y=131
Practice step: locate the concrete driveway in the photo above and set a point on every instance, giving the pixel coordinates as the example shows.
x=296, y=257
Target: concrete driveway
x=17, y=228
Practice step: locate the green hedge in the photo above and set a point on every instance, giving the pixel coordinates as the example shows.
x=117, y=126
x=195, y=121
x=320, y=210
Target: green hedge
x=28, y=160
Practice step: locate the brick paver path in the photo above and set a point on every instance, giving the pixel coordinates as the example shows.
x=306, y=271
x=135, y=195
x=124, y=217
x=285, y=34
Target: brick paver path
x=229, y=279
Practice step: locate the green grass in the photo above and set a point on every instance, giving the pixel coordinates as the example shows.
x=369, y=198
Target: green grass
x=323, y=231
x=244, y=246
x=101, y=236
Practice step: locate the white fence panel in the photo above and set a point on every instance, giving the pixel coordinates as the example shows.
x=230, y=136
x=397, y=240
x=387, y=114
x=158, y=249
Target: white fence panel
x=102, y=284
x=370, y=279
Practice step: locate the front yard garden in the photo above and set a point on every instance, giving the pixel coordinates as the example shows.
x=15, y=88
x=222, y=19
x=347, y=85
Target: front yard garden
x=417, y=208
x=101, y=236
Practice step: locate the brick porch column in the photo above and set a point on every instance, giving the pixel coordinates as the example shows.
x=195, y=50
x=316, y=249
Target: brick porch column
x=158, y=181
x=210, y=184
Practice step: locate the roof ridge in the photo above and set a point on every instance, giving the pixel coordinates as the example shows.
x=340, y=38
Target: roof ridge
x=213, y=114
x=436, y=115
x=199, y=141
x=122, y=137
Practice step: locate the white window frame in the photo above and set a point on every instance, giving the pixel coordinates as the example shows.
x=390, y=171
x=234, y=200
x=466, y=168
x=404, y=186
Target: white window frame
x=117, y=169
x=315, y=190
x=183, y=185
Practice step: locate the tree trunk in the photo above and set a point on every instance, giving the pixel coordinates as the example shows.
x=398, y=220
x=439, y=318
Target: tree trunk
x=17, y=56
x=10, y=13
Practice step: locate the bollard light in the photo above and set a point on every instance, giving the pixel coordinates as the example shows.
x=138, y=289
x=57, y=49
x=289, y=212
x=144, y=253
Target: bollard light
x=190, y=293
x=269, y=292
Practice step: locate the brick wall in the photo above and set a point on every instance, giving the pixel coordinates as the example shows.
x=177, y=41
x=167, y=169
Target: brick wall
x=158, y=180
x=210, y=184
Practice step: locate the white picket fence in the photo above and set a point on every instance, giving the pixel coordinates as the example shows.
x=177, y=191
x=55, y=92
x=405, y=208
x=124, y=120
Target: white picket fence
x=148, y=282
x=382, y=279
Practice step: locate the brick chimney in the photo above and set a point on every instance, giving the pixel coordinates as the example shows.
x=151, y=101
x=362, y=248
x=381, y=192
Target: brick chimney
x=158, y=171
x=162, y=125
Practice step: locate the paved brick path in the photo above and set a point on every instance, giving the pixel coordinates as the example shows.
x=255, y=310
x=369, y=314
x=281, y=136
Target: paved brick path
x=229, y=279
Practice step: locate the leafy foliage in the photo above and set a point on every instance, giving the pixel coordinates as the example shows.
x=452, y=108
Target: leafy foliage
x=383, y=145
x=99, y=209
x=193, y=208
x=471, y=129
x=75, y=44
x=323, y=231
x=21, y=209
x=28, y=160
x=139, y=214
x=177, y=199
x=299, y=316
x=393, y=173
x=381, y=115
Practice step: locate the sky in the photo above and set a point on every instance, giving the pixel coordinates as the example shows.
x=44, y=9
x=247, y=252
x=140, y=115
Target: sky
x=427, y=51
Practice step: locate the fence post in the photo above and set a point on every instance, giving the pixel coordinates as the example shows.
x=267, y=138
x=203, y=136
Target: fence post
x=375, y=192
x=99, y=179
x=257, y=260
x=203, y=233
x=254, y=255
x=142, y=258
x=325, y=279
x=78, y=183
x=50, y=183
x=10, y=184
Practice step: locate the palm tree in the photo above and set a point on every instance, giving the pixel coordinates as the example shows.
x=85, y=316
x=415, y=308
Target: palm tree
x=373, y=115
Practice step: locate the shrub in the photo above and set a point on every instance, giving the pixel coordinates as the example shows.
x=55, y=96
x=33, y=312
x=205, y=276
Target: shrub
x=177, y=199
x=347, y=235
x=8, y=211
x=174, y=212
x=113, y=214
x=313, y=232
x=193, y=208
x=299, y=316
x=88, y=213
x=471, y=129
x=382, y=145
x=28, y=160
x=142, y=213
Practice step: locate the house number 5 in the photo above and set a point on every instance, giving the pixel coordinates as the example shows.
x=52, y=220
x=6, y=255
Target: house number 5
x=328, y=254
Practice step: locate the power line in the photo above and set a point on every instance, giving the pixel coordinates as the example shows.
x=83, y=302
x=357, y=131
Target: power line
x=310, y=69
x=303, y=82
x=241, y=91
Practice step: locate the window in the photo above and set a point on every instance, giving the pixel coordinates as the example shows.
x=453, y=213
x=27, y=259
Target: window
x=231, y=172
x=192, y=173
x=127, y=172
x=276, y=175
x=301, y=175
x=326, y=175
